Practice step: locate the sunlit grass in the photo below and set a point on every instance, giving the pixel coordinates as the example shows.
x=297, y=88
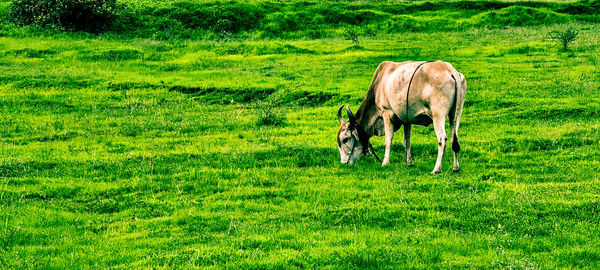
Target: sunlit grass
x=111, y=156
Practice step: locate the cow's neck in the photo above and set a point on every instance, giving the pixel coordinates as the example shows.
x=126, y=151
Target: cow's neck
x=366, y=115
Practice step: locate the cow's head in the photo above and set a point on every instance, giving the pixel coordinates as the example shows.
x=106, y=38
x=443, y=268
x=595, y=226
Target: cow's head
x=348, y=139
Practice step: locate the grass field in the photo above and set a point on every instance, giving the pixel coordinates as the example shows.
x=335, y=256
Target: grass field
x=129, y=152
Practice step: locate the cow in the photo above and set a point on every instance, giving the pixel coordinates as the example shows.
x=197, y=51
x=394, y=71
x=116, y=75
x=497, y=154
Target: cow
x=401, y=95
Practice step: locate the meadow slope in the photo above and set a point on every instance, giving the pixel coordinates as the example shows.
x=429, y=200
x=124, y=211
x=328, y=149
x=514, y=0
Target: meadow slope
x=145, y=153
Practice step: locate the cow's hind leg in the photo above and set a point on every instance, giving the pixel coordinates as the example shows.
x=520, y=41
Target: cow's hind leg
x=406, y=142
x=440, y=131
x=455, y=144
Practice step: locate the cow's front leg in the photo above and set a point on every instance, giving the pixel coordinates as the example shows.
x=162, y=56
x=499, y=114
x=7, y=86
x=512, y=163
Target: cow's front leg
x=388, y=129
x=440, y=132
x=407, y=131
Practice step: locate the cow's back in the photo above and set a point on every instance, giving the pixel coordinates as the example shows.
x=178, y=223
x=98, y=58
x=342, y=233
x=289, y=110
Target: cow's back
x=431, y=86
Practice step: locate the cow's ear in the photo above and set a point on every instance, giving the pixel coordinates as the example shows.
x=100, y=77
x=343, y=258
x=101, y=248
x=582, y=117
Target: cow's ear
x=340, y=117
x=350, y=115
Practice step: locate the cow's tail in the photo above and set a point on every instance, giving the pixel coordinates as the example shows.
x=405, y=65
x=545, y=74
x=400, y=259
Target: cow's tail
x=460, y=90
x=370, y=96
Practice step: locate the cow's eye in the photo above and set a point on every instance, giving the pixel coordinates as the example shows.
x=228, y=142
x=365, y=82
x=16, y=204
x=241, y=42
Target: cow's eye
x=345, y=140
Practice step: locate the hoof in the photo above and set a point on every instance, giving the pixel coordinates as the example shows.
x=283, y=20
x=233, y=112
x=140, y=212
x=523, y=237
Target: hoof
x=457, y=170
x=409, y=164
x=383, y=164
x=435, y=172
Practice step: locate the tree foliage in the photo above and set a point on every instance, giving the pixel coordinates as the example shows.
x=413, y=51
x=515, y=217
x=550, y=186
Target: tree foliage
x=80, y=15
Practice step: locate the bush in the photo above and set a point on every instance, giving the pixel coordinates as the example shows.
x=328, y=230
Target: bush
x=266, y=111
x=352, y=33
x=564, y=37
x=92, y=16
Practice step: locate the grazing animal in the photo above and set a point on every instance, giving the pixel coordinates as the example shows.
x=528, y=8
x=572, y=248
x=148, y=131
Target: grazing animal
x=403, y=94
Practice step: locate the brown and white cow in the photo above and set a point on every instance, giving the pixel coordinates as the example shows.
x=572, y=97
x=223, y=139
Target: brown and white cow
x=403, y=94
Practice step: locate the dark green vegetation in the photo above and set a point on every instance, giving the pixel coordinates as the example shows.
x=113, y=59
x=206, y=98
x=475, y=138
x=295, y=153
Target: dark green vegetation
x=86, y=15
x=137, y=152
x=290, y=19
x=564, y=37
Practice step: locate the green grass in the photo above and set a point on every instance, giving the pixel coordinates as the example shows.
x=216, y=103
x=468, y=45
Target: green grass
x=142, y=153
x=293, y=20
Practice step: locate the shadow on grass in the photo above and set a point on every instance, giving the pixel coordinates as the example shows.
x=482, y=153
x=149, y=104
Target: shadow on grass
x=214, y=95
x=169, y=164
